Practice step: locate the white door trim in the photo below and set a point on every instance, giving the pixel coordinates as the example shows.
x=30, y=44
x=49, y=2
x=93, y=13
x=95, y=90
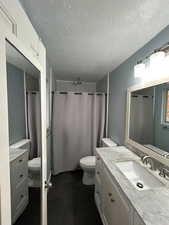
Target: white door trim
x=5, y=197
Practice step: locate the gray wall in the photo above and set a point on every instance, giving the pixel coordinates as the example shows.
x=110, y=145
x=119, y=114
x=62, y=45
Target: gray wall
x=101, y=85
x=121, y=79
x=16, y=104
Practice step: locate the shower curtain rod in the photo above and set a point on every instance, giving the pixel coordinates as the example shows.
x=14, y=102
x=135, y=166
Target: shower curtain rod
x=78, y=93
x=144, y=96
x=32, y=92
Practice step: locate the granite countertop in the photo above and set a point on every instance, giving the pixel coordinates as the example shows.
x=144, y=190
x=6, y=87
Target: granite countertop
x=15, y=153
x=151, y=205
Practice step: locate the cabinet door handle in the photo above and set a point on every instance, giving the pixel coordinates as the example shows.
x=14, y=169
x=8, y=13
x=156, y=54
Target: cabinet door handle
x=21, y=176
x=112, y=200
x=20, y=160
x=109, y=194
x=22, y=196
x=98, y=172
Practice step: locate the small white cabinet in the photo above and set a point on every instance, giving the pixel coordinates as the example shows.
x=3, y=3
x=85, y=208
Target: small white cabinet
x=19, y=182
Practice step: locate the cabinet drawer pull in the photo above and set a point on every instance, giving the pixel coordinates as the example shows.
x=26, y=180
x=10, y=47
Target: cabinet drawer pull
x=22, y=196
x=112, y=200
x=109, y=194
x=21, y=175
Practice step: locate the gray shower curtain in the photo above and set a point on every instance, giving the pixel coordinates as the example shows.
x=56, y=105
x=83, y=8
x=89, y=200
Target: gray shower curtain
x=78, y=127
x=34, y=123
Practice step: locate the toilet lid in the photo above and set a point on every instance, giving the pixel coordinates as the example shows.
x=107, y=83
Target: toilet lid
x=88, y=161
x=35, y=163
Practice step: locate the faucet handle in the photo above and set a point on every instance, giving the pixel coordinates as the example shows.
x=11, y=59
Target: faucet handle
x=164, y=172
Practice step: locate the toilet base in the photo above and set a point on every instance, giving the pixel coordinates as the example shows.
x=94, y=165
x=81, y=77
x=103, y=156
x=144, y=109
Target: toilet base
x=88, y=177
x=34, y=180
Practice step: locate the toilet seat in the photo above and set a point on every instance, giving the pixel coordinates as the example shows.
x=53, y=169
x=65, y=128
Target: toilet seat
x=88, y=162
x=34, y=164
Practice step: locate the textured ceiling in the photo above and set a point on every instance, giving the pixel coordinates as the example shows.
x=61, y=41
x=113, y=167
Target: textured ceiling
x=88, y=38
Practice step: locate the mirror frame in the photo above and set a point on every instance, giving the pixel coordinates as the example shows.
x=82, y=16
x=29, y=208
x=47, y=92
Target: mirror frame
x=5, y=198
x=128, y=141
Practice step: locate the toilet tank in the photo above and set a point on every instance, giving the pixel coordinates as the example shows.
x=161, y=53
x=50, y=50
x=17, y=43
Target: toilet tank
x=22, y=144
x=107, y=142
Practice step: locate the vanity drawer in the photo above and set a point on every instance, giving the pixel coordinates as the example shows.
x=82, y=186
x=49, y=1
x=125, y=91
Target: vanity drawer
x=20, y=194
x=19, y=162
x=19, y=170
x=22, y=159
x=20, y=175
x=17, y=211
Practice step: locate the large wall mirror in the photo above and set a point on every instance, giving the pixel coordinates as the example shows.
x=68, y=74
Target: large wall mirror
x=148, y=118
x=24, y=125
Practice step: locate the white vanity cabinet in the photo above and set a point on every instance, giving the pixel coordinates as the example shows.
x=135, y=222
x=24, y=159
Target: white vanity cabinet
x=113, y=206
x=98, y=183
x=19, y=182
x=116, y=210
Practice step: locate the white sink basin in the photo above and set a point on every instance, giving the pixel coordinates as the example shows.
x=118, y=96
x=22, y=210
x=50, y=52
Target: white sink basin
x=139, y=177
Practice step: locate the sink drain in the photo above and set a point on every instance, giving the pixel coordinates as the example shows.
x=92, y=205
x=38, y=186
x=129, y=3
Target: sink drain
x=140, y=185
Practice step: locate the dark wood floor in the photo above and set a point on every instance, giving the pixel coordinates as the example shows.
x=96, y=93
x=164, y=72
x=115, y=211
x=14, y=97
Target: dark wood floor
x=69, y=203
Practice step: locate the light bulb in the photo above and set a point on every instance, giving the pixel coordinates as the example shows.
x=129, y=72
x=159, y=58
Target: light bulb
x=157, y=63
x=139, y=70
x=156, y=59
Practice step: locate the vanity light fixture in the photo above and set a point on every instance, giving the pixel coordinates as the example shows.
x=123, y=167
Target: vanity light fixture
x=165, y=67
x=158, y=64
x=157, y=59
x=139, y=69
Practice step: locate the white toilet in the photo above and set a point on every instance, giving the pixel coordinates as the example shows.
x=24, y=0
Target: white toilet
x=34, y=165
x=34, y=168
x=88, y=163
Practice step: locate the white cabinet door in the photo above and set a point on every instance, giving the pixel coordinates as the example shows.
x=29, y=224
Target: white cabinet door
x=137, y=220
x=116, y=209
x=98, y=184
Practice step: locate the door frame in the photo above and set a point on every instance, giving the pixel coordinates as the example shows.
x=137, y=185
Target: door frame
x=5, y=194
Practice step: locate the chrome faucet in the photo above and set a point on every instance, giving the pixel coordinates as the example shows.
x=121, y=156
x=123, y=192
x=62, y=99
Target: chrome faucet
x=147, y=159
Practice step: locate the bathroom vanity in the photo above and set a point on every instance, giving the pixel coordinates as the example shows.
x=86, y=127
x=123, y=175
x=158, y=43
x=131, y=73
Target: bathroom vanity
x=19, y=181
x=133, y=189
x=128, y=192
